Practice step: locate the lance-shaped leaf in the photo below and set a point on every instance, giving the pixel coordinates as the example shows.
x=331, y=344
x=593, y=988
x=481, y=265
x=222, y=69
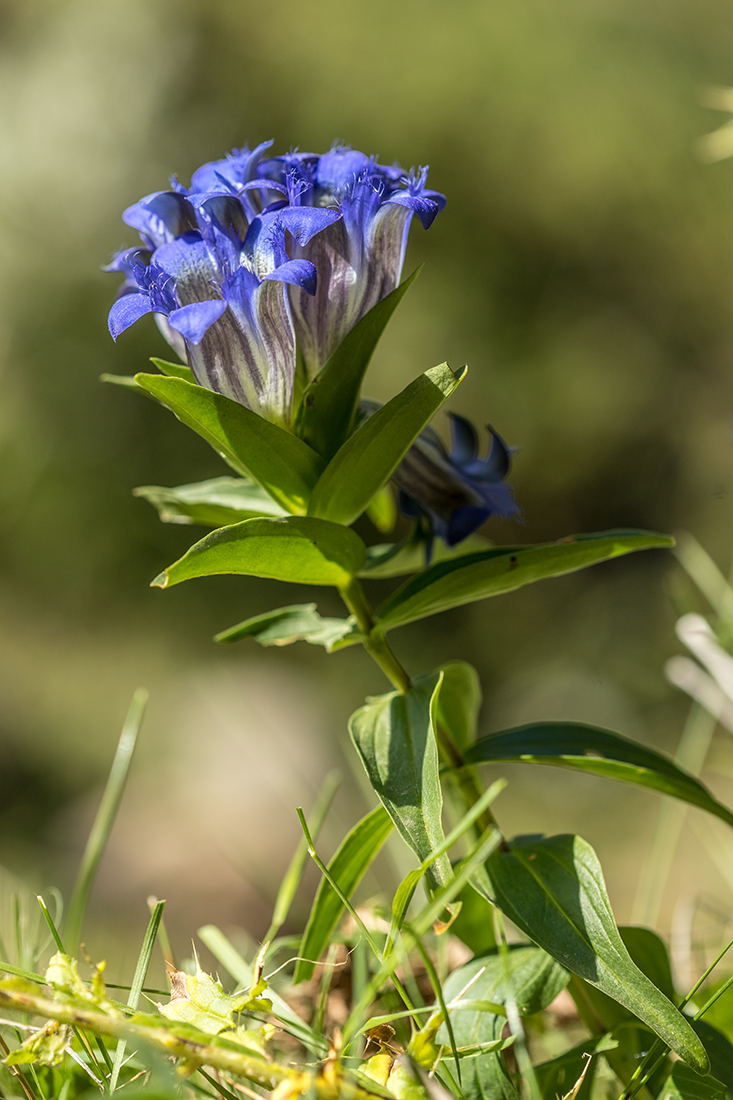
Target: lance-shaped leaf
x=552, y=888
x=215, y=503
x=173, y=370
x=395, y=736
x=347, y=868
x=329, y=404
x=682, y=1084
x=503, y=569
x=297, y=549
x=283, y=465
x=599, y=752
x=299, y=622
x=370, y=456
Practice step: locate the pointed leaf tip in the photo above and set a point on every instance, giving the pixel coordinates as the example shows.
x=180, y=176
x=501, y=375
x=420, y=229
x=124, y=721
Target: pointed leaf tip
x=161, y=581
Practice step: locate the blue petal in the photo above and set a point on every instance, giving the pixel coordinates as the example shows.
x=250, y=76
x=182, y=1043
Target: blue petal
x=338, y=168
x=224, y=213
x=300, y=273
x=161, y=217
x=464, y=521
x=126, y=311
x=235, y=169
x=303, y=222
x=126, y=258
x=464, y=440
x=194, y=320
x=191, y=262
x=427, y=209
x=495, y=466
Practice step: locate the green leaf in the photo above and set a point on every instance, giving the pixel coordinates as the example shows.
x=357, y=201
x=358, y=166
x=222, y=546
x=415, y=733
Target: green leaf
x=200, y=1000
x=602, y=1014
x=215, y=503
x=283, y=465
x=299, y=622
x=530, y=977
x=242, y=972
x=459, y=701
x=720, y=1050
x=347, y=868
x=126, y=381
x=297, y=549
x=382, y=509
x=329, y=404
x=552, y=888
x=406, y=889
x=503, y=569
x=598, y=751
x=173, y=370
x=683, y=1084
x=395, y=736
x=46, y=1048
x=399, y=559
x=370, y=456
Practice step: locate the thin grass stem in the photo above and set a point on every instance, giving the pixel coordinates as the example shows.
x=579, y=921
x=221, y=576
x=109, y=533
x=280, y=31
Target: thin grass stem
x=138, y=979
x=105, y=818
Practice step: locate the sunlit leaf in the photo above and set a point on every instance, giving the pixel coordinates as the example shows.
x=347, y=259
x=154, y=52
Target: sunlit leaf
x=215, y=503
x=299, y=622
x=552, y=888
x=281, y=463
x=502, y=569
x=298, y=549
x=395, y=737
x=599, y=752
x=370, y=456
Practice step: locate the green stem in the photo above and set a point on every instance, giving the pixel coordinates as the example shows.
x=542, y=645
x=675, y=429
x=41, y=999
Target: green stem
x=375, y=644
x=465, y=777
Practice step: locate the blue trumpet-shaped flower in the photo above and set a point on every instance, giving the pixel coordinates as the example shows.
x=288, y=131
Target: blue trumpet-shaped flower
x=358, y=258
x=214, y=270
x=454, y=492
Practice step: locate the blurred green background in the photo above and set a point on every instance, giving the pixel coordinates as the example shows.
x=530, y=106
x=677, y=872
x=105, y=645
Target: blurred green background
x=583, y=269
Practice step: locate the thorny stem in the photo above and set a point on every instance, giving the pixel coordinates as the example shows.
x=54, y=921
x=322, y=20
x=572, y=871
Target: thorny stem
x=267, y=1075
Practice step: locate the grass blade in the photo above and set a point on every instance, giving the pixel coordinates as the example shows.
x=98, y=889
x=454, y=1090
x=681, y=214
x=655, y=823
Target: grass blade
x=105, y=818
x=141, y=970
x=294, y=873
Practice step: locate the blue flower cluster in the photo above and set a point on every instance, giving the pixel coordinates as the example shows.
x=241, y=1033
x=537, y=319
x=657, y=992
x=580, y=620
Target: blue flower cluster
x=259, y=270
x=262, y=254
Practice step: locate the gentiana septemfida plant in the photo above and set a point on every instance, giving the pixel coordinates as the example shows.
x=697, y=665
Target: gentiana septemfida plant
x=273, y=278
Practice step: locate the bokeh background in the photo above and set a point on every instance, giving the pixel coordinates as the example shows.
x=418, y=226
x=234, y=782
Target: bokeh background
x=583, y=269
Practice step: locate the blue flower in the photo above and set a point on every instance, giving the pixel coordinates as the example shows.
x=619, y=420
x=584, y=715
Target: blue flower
x=214, y=270
x=358, y=258
x=454, y=492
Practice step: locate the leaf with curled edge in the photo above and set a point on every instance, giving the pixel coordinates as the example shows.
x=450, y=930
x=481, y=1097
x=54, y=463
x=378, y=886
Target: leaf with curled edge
x=199, y=1000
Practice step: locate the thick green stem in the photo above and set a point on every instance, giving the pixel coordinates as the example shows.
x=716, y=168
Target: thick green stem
x=375, y=644
x=465, y=778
